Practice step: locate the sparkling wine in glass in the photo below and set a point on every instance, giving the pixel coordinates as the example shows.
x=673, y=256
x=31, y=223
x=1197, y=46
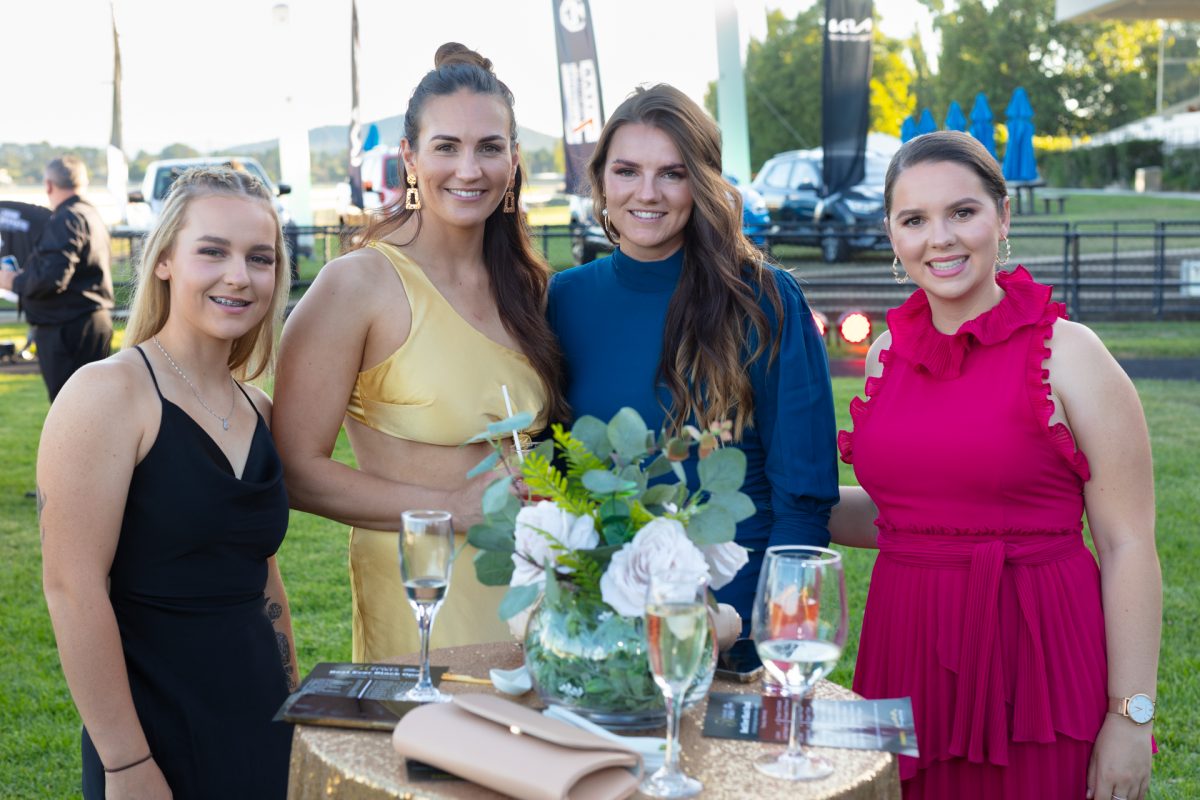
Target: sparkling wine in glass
x=426, y=554
x=799, y=624
x=676, y=639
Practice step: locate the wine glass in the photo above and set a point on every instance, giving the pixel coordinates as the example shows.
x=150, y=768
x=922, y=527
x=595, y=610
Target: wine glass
x=799, y=624
x=676, y=639
x=426, y=553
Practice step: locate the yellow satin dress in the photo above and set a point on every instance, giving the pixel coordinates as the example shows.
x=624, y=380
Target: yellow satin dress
x=441, y=387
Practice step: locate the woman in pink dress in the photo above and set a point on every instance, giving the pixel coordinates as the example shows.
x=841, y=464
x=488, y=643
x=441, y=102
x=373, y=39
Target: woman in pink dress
x=990, y=425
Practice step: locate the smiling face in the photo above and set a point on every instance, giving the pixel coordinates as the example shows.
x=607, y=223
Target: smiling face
x=946, y=229
x=464, y=160
x=221, y=268
x=647, y=192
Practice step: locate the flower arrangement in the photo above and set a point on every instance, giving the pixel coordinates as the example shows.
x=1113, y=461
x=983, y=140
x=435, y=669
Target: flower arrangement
x=586, y=540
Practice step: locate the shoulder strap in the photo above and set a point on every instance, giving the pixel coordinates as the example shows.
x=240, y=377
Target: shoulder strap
x=243, y=391
x=142, y=353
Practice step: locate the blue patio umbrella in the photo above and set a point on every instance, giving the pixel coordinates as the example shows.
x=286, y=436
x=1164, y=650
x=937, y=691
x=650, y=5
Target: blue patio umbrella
x=1019, y=164
x=982, y=127
x=926, y=123
x=908, y=129
x=955, y=121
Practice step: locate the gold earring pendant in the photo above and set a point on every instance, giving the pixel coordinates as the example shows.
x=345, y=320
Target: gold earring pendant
x=900, y=275
x=609, y=230
x=1001, y=260
x=412, y=198
x=510, y=202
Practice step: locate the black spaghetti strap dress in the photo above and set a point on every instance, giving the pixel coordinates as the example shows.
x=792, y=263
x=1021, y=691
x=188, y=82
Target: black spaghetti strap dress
x=187, y=585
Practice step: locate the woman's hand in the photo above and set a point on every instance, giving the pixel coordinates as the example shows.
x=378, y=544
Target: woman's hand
x=1120, y=764
x=143, y=782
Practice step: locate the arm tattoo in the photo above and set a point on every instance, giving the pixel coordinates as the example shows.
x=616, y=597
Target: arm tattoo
x=274, y=610
x=285, y=656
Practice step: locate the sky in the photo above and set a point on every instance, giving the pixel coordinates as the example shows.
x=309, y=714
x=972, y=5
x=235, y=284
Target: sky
x=216, y=73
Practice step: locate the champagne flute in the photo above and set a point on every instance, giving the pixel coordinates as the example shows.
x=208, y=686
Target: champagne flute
x=799, y=624
x=676, y=639
x=426, y=554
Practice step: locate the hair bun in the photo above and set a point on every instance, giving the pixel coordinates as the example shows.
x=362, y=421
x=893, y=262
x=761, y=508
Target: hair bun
x=455, y=53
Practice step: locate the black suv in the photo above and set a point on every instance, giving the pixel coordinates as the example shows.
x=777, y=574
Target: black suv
x=791, y=184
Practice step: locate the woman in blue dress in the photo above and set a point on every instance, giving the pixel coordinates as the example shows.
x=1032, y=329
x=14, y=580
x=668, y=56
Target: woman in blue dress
x=686, y=323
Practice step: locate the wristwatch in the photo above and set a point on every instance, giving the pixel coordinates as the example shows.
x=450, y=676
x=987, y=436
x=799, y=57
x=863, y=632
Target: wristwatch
x=1138, y=707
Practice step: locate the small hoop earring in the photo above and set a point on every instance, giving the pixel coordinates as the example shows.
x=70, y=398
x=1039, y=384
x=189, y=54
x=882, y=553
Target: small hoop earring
x=1002, y=260
x=510, y=202
x=412, y=198
x=900, y=275
x=609, y=230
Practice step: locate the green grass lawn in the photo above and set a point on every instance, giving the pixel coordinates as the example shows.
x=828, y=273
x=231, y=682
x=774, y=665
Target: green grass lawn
x=40, y=745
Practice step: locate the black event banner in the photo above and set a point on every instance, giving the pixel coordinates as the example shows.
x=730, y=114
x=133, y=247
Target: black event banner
x=579, y=78
x=845, y=92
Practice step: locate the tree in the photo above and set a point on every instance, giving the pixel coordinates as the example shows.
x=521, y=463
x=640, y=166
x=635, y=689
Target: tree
x=783, y=85
x=1081, y=78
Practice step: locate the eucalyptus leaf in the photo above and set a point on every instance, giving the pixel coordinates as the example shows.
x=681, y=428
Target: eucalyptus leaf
x=601, y=481
x=594, y=435
x=677, y=468
x=613, y=509
x=491, y=537
x=517, y=422
x=659, y=494
x=493, y=568
x=550, y=588
x=496, y=496
x=517, y=599
x=628, y=433
x=545, y=449
x=512, y=507
x=738, y=505
x=615, y=533
x=489, y=461
x=658, y=467
x=723, y=471
x=713, y=525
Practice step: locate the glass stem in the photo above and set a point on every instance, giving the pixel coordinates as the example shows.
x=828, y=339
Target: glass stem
x=794, y=750
x=674, y=712
x=424, y=622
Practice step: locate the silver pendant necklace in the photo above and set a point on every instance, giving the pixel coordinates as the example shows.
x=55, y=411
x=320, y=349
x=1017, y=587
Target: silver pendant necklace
x=233, y=394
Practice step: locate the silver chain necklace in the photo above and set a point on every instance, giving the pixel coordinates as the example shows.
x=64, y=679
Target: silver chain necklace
x=195, y=391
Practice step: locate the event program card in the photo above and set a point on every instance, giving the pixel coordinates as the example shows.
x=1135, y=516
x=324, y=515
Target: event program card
x=353, y=695
x=855, y=724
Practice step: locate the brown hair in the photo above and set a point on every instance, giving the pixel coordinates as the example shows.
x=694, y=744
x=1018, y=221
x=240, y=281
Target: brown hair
x=955, y=147
x=517, y=274
x=252, y=352
x=716, y=306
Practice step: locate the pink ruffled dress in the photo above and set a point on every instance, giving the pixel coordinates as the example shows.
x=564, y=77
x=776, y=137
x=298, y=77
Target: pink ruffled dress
x=984, y=605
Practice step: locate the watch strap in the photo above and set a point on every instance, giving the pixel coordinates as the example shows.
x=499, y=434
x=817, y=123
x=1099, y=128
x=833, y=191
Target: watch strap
x=1120, y=705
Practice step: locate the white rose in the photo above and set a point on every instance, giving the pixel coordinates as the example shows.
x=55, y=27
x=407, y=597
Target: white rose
x=661, y=546
x=724, y=561
x=539, y=528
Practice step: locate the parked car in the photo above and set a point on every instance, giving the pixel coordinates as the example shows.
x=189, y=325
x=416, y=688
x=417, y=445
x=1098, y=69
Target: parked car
x=588, y=240
x=853, y=220
x=381, y=177
x=147, y=203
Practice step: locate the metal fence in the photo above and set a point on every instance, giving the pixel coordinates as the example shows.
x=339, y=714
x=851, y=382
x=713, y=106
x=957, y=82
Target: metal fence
x=1102, y=269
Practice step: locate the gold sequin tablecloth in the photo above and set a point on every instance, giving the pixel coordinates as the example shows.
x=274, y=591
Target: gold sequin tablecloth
x=361, y=765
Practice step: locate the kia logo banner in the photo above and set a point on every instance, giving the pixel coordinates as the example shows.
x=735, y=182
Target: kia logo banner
x=845, y=92
x=579, y=79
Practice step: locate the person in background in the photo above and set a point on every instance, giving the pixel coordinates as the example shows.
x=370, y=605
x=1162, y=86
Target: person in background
x=991, y=425
x=158, y=558
x=65, y=289
x=686, y=324
x=409, y=341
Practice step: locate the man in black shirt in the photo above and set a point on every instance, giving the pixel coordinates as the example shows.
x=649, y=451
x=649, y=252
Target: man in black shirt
x=66, y=287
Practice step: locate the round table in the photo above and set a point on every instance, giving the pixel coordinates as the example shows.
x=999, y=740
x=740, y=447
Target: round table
x=361, y=765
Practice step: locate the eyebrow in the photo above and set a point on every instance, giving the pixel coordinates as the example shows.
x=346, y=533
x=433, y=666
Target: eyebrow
x=627, y=163
x=226, y=243
x=445, y=137
x=962, y=202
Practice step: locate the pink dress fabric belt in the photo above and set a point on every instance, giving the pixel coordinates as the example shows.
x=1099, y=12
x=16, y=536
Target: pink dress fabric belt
x=980, y=728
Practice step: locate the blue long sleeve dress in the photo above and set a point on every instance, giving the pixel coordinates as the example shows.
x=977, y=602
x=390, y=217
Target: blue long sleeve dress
x=609, y=316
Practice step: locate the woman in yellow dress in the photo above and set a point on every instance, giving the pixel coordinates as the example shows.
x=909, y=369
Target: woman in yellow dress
x=409, y=340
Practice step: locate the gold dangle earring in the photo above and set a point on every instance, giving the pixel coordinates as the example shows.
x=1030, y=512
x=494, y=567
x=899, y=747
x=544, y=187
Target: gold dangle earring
x=412, y=198
x=1002, y=260
x=900, y=275
x=510, y=201
x=609, y=230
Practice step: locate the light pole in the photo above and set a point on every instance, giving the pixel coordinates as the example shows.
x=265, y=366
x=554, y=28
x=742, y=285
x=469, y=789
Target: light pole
x=294, y=165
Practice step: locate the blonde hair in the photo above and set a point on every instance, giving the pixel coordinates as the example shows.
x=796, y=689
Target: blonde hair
x=253, y=352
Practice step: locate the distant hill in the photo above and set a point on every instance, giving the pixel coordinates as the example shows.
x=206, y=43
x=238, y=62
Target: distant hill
x=333, y=138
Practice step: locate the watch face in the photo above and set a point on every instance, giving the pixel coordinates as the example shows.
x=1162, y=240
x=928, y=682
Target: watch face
x=1141, y=709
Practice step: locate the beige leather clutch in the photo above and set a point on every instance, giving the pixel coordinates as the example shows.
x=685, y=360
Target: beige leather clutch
x=516, y=751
